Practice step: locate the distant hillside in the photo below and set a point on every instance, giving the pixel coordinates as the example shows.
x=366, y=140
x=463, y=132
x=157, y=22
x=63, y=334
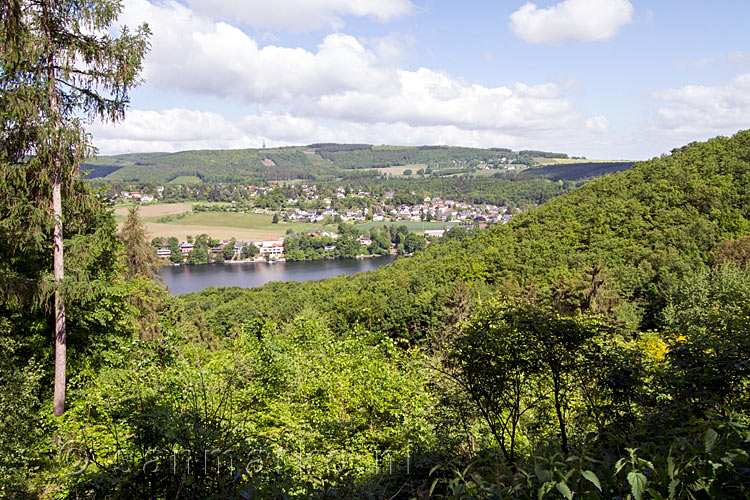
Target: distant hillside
x=317, y=162
x=637, y=231
x=575, y=171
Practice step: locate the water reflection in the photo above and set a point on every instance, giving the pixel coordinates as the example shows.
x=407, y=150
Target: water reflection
x=186, y=279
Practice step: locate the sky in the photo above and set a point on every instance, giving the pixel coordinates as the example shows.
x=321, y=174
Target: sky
x=605, y=79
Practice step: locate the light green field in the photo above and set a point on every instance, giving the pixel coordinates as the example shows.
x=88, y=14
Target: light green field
x=487, y=173
x=416, y=227
x=399, y=171
x=186, y=179
x=218, y=232
x=222, y=222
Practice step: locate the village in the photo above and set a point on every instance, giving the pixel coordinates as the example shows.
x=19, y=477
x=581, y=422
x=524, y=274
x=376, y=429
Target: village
x=359, y=211
x=307, y=204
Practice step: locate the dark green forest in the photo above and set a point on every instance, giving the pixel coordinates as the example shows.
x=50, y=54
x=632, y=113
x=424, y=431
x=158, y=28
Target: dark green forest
x=317, y=162
x=594, y=347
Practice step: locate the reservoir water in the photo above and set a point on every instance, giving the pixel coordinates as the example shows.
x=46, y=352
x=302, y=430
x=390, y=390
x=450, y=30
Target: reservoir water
x=187, y=279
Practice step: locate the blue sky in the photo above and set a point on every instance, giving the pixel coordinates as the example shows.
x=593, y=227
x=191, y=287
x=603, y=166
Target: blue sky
x=606, y=79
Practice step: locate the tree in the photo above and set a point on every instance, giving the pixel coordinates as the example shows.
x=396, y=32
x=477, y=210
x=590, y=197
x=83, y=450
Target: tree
x=250, y=250
x=139, y=256
x=60, y=63
x=198, y=255
x=275, y=219
x=174, y=247
x=736, y=251
x=495, y=363
x=413, y=243
x=228, y=250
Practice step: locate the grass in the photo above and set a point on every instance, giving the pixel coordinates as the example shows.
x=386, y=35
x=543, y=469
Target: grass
x=181, y=222
x=224, y=225
x=416, y=227
x=399, y=171
x=156, y=210
x=186, y=179
x=486, y=173
x=180, y=232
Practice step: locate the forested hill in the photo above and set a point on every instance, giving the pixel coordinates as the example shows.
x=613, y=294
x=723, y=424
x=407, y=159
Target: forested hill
x=627, y=236
x=318, y=162
x=597, y=344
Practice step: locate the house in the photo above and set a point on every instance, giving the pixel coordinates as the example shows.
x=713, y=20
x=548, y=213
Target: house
x=364, y=241
x=164, y=253
x=436, y=233
x=186, y=247
x=147, y=198
x=271, y=248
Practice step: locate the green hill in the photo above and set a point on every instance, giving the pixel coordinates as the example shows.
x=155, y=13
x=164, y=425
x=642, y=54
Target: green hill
x=315, y=162
x=597, y=344
x=643, y=228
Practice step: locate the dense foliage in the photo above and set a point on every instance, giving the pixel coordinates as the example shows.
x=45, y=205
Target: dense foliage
x=594, y=347
x=572, y=171
x=617, y=260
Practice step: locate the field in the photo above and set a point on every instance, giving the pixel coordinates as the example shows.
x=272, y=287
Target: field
x=240, y=221
x=399, y=171
x=155, y=210
x=488, y=173
x=219, y=225
x=243, y=226
x=416, y=227
x=180, y=231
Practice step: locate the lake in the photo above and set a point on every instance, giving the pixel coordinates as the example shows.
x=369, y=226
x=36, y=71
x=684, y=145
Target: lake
x=187, y=279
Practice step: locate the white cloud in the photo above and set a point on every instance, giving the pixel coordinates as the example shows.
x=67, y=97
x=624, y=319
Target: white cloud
x=183, y=129
x=170, y=130
x=342, y=79
x=426, y=97
x=353, y=86
x=598, y=124
x=578, y=20
x=299, y=15
x=696, y=112
x=201, y=56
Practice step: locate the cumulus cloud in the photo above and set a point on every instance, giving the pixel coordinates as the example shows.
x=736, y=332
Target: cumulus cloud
x=696, y=112
x=183, y=129
x=342, y=79
x=197, y=55
x=299, y=15
x=577, y=20
x=169, y=130
x=426, y=97
x=353, y=86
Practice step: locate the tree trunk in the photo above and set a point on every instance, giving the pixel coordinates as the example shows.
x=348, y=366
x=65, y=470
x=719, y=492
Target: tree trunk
x=60, y=336
x=560, y=416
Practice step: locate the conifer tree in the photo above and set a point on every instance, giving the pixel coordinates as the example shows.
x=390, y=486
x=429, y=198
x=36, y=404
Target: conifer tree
x=59, y=66
x=139, y=256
